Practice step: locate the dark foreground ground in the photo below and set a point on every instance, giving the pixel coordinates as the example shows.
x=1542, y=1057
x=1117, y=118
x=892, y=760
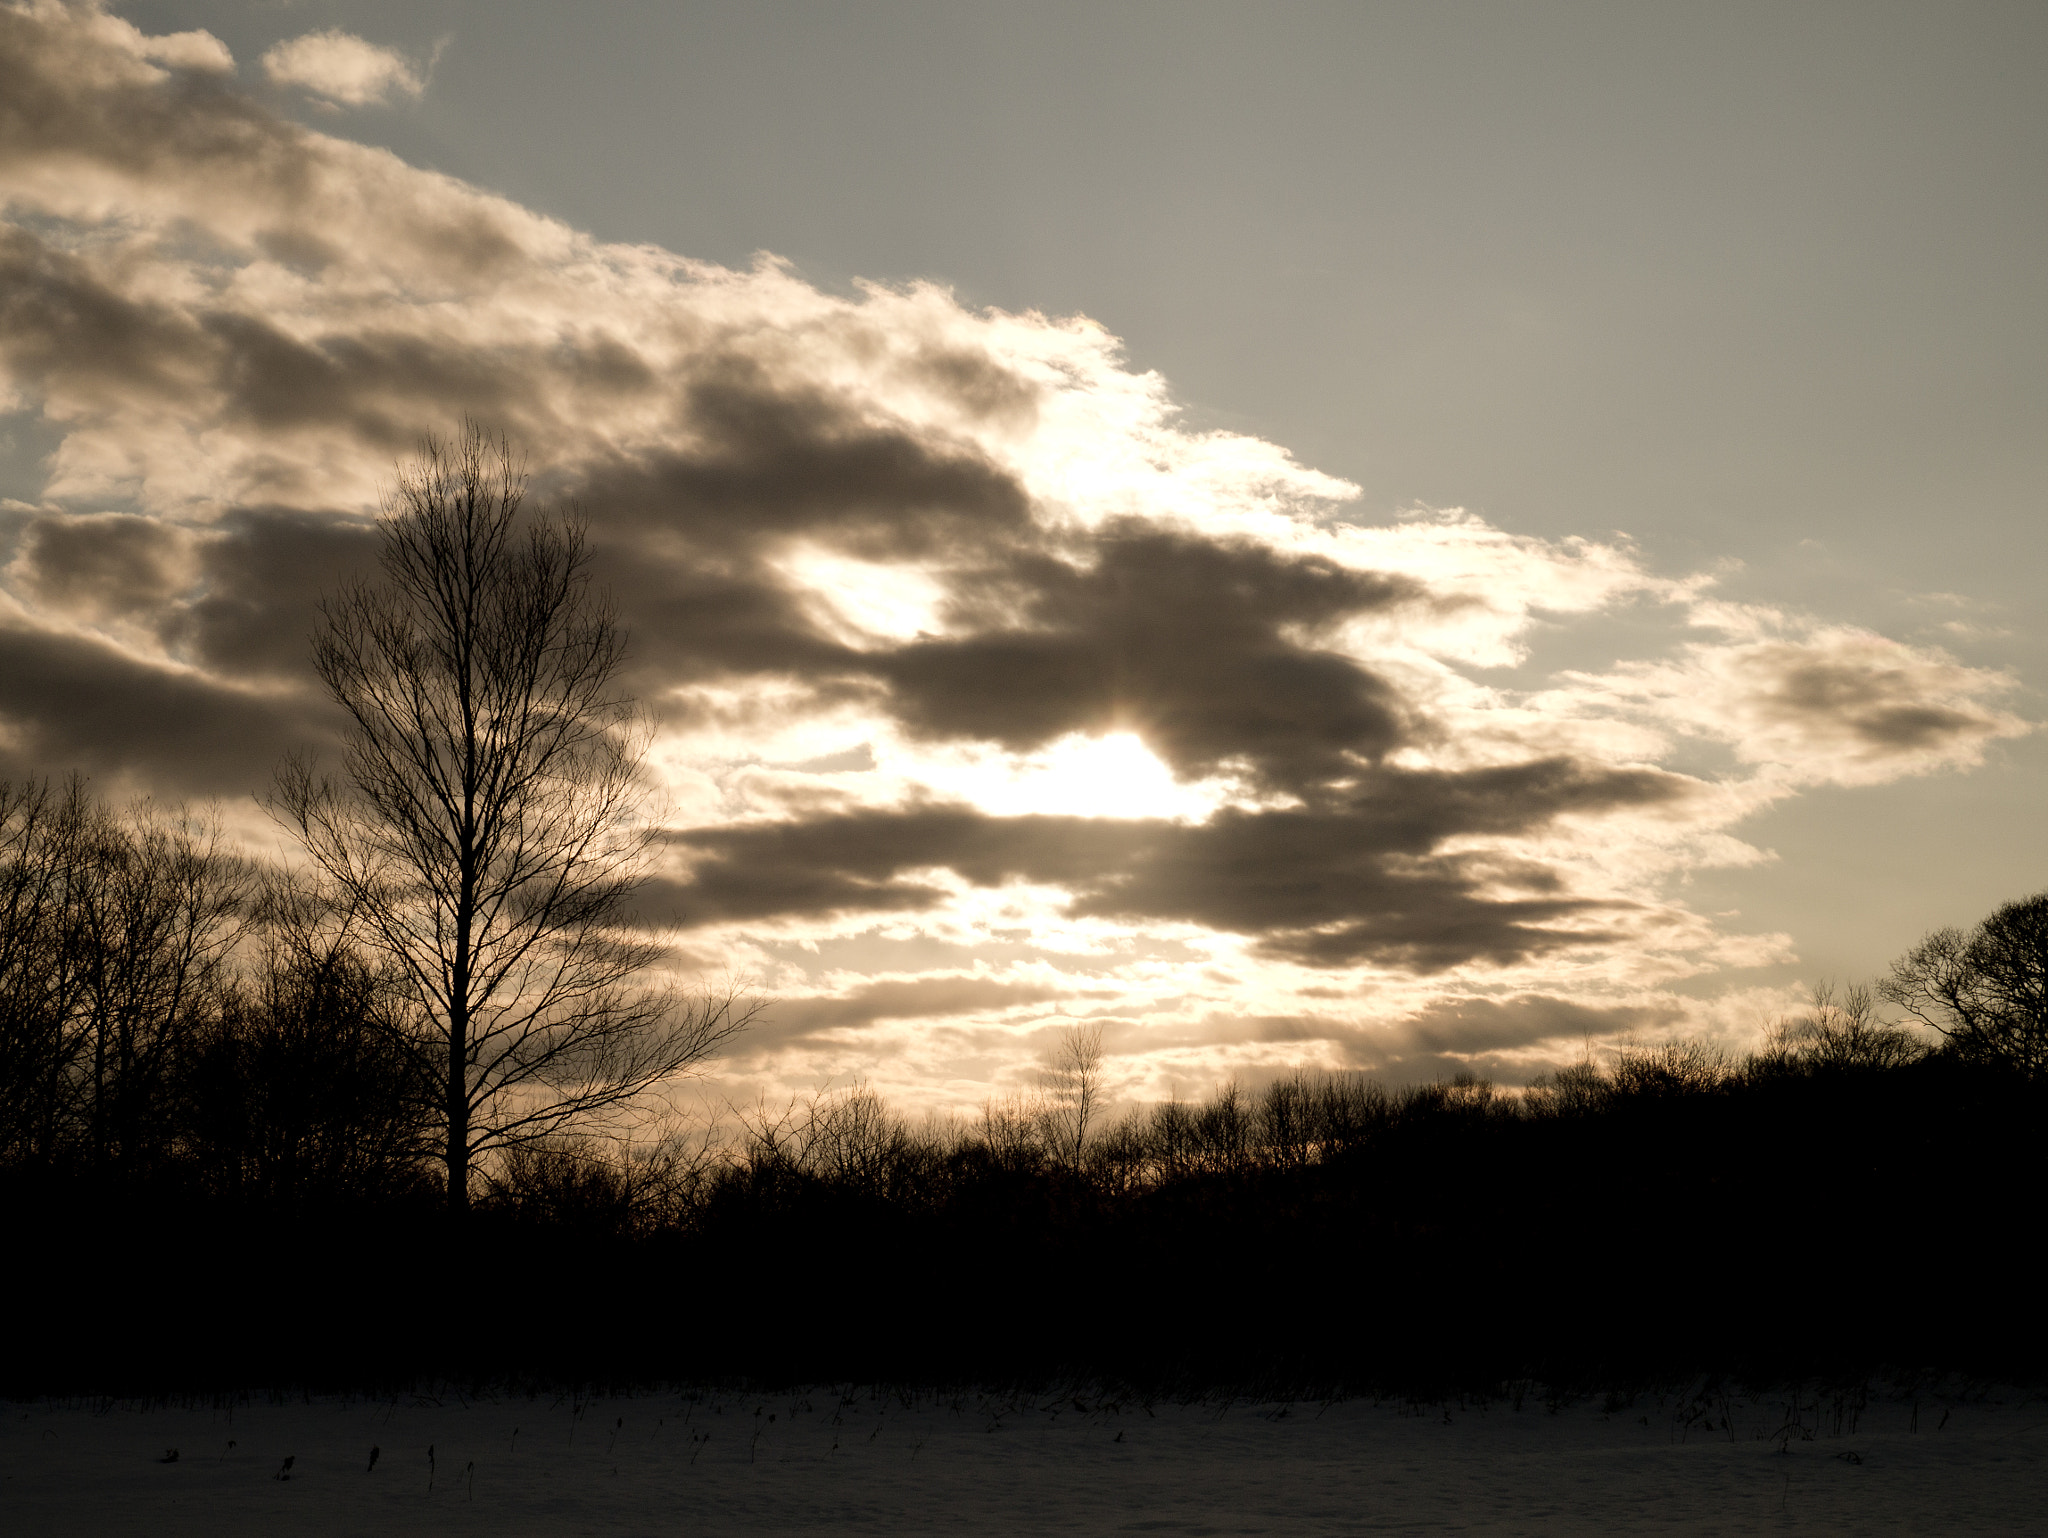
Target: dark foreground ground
x=1941, y=1459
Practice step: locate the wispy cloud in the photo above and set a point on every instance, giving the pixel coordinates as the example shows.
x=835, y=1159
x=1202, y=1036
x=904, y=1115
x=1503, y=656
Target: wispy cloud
x=990, y=695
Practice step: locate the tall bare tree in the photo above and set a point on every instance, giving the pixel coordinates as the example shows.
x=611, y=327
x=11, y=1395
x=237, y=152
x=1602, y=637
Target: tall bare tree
x=488, y=829
x=1072, y=1082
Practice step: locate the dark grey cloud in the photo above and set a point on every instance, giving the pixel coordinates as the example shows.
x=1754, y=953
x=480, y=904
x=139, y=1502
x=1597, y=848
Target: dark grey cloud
x=59, y=319
x=69, y=702
x=105, y=565
x=859, y=861
x=383, y=388
x=1474, y=1025
x=1329, y=886
x=773, y=458
x=790, y=1022
x=67, y=330
x=1203, y=647
x=1340, y=884
x=1507, y=1041
x=1496, y=1037
x=60, y=100
x=1187, y=641
x=235, y=604
x=1883, y=710
x=261, y=575
x=978, y=383
x=686, y=537
x=693, y=621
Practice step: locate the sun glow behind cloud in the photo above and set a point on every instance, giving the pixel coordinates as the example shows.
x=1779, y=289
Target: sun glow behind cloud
x=989, y=697
x=1111, y=775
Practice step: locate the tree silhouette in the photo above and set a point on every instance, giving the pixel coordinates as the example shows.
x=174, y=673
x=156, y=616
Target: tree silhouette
x=488, y=830
x=1986, y=991
x=115, y=937
x=1072, y=1081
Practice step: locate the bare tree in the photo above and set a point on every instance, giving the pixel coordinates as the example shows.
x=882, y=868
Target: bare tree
x=115, y=934
x=162, y=920
x=1841, y=1030
x=1986, y=991
x=46, y=840
x=1073, y=1092
x=489, y=829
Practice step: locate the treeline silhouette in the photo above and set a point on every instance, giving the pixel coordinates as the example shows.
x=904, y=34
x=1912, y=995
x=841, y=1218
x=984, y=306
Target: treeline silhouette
x=217, y=1172
x=1844, y=1199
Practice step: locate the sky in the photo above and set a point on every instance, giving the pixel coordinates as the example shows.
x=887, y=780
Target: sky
x=1399, y=537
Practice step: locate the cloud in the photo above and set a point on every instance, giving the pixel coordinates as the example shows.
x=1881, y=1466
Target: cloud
x=1479, y=1025
x=77, y=702
x=987, y=689
x=1198, y=645
x=1366, y=880
x=802, y=1020
x=1811, y=703
x=117, y=41
x=261, y=573
x=344, y=70
x=105, y=566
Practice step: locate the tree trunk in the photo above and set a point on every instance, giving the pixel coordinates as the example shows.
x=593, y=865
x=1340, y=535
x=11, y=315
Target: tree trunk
x=458, y=1108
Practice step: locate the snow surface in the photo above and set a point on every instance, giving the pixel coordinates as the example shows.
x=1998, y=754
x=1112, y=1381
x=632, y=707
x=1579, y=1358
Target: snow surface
x=867, y=1460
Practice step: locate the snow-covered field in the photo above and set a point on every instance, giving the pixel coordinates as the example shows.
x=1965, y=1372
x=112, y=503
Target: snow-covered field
x=708, y=1462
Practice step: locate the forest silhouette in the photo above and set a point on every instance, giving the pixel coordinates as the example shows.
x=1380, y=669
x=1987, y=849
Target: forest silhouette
x=219, y=1171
